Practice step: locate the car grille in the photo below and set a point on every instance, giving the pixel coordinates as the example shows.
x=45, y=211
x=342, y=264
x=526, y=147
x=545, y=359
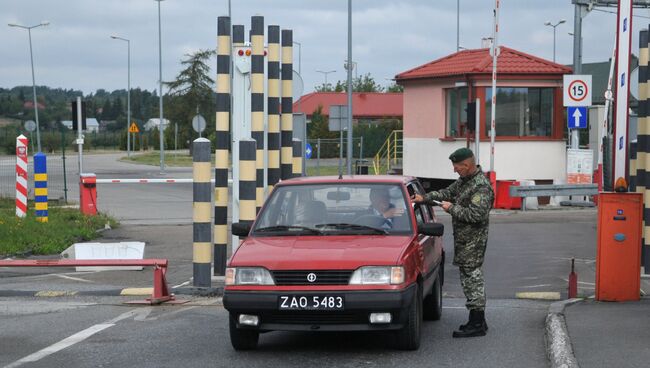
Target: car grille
x=323, y=277
x=319, y=318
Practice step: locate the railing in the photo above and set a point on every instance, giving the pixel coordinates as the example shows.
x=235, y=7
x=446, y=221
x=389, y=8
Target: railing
x=390, y=153
x=552, y=190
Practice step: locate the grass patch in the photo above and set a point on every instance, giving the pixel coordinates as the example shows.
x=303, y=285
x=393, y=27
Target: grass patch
x=324, y=170
x=27, y=236
x=171, y=159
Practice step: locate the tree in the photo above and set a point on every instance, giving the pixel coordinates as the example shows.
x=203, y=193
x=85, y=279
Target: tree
x=190, y=93
x=364, y=83
x=395, y=88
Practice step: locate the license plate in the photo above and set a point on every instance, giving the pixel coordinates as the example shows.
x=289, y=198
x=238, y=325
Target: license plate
x=311, y=302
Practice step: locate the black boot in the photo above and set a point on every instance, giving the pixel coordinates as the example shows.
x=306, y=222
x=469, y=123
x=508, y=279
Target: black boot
x=475, y=327
x=464, y=326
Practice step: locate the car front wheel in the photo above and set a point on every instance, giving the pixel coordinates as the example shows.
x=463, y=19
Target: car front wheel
x=433, y=302
x=408, y=338
x=242, y=339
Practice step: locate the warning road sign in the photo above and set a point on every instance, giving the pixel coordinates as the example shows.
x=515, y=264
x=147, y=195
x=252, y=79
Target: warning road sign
x=134, y=128
x=577, y=90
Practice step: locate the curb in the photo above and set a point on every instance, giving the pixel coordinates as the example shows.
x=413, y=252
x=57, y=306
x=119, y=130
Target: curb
x=191, y=291
x=558, y=341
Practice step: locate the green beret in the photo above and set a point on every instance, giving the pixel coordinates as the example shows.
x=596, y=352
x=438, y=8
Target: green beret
x=461, y=154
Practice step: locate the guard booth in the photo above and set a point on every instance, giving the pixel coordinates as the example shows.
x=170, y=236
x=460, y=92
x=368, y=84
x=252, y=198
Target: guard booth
x=618, y=260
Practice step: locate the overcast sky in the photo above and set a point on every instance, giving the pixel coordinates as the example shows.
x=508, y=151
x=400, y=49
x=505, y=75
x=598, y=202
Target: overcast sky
x=389, y=36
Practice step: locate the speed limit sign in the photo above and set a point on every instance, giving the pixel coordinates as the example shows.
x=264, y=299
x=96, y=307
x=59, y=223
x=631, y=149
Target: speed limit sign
x=577, y=90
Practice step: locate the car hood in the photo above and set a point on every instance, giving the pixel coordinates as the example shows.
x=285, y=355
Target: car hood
x=319, y=252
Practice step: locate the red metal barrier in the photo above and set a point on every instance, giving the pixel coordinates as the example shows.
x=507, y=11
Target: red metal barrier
x=160, y=292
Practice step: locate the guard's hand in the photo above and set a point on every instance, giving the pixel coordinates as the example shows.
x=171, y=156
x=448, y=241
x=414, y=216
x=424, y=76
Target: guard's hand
x=446, y=205
x=416, y=198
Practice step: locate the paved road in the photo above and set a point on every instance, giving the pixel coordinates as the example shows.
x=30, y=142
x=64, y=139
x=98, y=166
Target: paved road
x=526, y=252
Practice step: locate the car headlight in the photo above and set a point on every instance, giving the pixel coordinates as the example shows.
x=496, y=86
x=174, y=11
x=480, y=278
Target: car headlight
x=248, y=276
x=378, y=275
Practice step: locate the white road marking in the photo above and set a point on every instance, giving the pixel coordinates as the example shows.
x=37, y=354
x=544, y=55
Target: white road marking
x=533, y=286
x=76, y=338
x=71, y=278
x=67, y=342
x=179, y=285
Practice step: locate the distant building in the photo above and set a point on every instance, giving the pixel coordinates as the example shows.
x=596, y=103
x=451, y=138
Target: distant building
x=29, y=104
x=367, y=107
x=91, y=125
x=154, y=123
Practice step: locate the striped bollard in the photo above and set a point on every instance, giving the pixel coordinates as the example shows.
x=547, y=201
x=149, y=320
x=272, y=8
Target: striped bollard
x=202, y=211
x=40, y=186
x=297, y=158
x=247, y=180
x=257, y=103
x=222, y=143
x=286, y=120
x=273, y=106
x=21, y=176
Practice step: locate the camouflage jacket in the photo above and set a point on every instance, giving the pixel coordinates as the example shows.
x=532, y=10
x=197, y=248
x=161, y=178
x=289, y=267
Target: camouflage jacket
x=472, y=199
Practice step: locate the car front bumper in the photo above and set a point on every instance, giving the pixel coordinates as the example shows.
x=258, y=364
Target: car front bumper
x=354, y=317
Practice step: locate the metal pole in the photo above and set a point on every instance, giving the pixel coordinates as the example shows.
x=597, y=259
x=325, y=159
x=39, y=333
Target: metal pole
x=577, y=61
x=318, y=157
x=65, y=181
x=128, y=102
x=495, y=51
x=554, y=27
x=79, y=136
x=361, y=149
x=457, y=25
x=31, y=58
x=477, y=119
x=160, y=126
x=349, y=88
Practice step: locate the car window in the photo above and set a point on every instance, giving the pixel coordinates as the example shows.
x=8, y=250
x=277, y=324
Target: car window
x=337, y=208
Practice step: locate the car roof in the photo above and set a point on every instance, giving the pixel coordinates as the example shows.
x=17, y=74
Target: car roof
x=364, y=179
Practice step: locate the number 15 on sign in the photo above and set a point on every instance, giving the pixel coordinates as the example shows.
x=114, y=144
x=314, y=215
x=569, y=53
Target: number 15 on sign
x=577, y=90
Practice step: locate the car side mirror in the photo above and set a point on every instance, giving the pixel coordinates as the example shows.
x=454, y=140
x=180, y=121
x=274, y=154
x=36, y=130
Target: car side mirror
x=241, y=229
x=431, y=229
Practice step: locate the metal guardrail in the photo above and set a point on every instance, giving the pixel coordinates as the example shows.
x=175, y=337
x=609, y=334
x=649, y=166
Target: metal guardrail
x=553, y=190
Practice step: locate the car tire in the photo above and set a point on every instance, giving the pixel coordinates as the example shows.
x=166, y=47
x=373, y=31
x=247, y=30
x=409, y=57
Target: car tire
x=408, y=338
x=242, y=339
x=432, y=304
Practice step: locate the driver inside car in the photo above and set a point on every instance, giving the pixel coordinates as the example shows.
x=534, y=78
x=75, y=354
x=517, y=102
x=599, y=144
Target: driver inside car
x=380, y=205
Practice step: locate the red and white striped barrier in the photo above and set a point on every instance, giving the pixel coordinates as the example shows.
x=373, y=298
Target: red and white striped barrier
x=148, y=181
x=21, y=176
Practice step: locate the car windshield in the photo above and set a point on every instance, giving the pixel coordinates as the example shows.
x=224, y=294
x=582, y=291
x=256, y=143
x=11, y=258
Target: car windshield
x=335, y=209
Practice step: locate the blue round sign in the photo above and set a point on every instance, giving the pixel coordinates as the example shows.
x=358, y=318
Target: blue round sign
x=308, y=150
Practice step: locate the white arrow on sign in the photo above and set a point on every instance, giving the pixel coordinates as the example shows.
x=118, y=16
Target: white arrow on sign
x=576, y=117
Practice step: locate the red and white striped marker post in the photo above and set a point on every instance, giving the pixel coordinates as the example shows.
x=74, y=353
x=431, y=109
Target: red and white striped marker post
x=21, y=176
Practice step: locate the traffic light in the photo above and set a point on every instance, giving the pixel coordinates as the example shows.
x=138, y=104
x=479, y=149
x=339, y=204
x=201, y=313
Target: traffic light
x=74, y=115
x=471, y=116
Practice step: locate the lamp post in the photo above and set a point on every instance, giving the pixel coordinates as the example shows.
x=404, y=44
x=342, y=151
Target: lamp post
x=325, y=73
x=31, y=58
x=160, y=82
x=128, y=94
x=554, y=26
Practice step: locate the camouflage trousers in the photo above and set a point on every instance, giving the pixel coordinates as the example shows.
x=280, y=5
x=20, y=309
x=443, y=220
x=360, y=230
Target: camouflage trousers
x=473, y=284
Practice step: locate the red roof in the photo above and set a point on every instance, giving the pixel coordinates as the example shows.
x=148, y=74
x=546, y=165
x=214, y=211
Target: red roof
x=364, y=104
x=479, y=61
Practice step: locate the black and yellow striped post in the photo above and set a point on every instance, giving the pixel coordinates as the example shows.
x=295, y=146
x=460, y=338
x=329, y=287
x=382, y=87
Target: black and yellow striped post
x=202, y=213
x=257, y=103
x=297, y=158
x=642, y=161
x=273, y=106
x=286, y=152
x=222, y=143
x=40, y=186
x=247, y=180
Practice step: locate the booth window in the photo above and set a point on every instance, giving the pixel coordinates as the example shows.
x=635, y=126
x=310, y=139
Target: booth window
x=456, y=120
x=521, y=112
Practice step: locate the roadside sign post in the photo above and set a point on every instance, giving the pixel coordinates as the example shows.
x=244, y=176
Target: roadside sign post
x=577, y=92
x=577, y=117
x=133, y=128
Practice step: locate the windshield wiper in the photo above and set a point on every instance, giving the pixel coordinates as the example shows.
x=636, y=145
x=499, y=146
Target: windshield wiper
x=280, y=228
x=346, y=226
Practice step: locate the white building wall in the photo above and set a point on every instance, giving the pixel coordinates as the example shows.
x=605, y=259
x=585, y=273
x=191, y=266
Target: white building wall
x=531, y=160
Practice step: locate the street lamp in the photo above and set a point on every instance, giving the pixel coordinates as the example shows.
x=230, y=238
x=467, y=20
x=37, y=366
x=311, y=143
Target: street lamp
x=554, y=26
x=325, y=73
x=31, y=58
x=160, y=82
x=128, y=94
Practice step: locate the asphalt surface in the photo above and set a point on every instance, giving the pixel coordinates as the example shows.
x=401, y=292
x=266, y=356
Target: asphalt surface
x=526, y=252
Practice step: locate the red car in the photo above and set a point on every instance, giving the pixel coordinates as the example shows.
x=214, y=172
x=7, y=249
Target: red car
x=337, y=254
